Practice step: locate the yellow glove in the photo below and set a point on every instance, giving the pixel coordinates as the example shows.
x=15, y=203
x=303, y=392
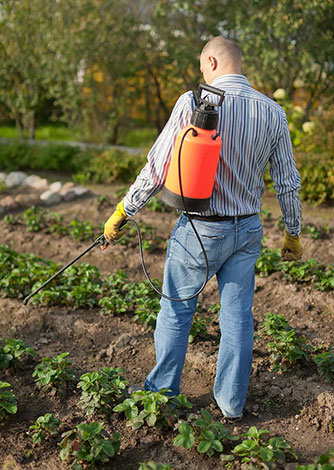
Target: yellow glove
x=111, y=227
x=292, y=248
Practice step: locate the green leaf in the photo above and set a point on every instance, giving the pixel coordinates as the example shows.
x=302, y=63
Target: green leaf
x=203, y=446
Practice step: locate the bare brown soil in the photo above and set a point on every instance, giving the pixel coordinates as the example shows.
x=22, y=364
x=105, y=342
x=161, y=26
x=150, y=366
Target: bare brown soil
x=298, y=404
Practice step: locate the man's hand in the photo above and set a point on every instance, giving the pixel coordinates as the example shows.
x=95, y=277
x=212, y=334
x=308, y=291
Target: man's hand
x=111, y=227
x=292, y=249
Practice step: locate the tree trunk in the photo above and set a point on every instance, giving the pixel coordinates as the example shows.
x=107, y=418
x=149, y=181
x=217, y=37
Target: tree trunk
x=18, y=124
x=32, y=128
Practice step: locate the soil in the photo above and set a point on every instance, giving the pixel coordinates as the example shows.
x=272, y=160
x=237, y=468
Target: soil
x=298, y=404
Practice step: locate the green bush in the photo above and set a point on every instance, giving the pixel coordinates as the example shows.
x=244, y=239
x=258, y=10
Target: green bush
x=110, y=165
x=139, y=138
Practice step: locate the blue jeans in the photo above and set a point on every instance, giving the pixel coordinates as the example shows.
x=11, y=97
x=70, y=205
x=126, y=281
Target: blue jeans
x=232, y=248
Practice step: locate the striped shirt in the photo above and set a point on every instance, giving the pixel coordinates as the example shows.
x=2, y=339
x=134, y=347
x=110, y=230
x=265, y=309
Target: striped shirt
x=254, y=132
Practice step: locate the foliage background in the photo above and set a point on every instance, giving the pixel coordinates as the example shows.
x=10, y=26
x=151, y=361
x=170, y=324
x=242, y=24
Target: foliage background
x=111, y=71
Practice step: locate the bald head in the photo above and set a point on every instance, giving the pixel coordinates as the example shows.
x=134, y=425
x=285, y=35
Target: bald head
x=220, y=56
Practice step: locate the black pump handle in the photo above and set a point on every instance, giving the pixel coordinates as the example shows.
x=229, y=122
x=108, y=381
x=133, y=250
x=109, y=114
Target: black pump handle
x=211, y=89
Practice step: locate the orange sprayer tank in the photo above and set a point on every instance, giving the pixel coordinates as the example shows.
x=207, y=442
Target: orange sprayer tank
x=196, y=153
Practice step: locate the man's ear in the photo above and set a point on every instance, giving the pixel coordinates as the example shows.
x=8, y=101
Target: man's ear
x=213, y=63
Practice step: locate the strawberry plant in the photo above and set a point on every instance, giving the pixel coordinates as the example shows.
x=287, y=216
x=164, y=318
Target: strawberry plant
x=156, y=204
x=113, y=305
x=199, y=327
x=286, y=347
x=101, y=390
x=8, y=403
x=311, y=230
x=208, y=434
x=323, y=462
x=81, y=230
x=88, y=444
x=152, y=408
x=268, y=262
x=79, y=285
x=44, y=428
x=12, y=351
x=34, y=219
x=215, y=309
x=147, y=311
x=260, y=454
x=151, y=465
x=312, y=271
x=325, y=365
x=54, y=373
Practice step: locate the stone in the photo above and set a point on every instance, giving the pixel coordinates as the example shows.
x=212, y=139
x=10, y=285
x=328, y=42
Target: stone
x=68, y=195
x=8, y=203
x=27, y=200
x=66, y=187
x=2, y=211
x=3, y=177
x=15, y=178
x=50, y=197
x=55, y=187
x=80, y=191
x=36, y=182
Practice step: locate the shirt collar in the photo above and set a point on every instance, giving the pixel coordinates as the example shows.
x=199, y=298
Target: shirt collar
x=231, y=78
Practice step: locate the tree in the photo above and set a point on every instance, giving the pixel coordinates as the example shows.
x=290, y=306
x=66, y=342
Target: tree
x=22, y=69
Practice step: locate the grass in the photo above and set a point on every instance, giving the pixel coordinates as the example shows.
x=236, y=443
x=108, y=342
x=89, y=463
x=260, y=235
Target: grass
x=134, y=138
x=44, y=133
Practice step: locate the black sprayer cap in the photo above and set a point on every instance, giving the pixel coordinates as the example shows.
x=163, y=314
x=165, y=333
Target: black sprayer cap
x=204, y=115
x=204, y=118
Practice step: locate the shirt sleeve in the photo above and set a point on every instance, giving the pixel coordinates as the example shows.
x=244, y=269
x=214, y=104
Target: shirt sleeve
x=152, y=177
x=283, y=171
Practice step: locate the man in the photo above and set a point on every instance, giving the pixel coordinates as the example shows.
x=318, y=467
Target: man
x=254, y=131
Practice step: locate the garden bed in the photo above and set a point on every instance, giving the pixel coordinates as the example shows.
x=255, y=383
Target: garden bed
x=297, y=404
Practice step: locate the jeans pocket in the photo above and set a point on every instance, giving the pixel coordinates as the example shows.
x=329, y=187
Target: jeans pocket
x=253, y=244
x=194, y=255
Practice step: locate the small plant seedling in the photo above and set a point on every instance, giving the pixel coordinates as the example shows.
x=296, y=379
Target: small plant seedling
x=286, y=346
x=261, y=454
x=325, y=365
x=199, y=327
x=81, y=230
x=311, y=230
x=87, y=444
x=54, y=373
x=151, y=465
x=8, y=402
x=12, y=351
x=153, y=408
x=44, y=428
x=266, y=214
x=208, y=434
x=34, y=219
x=215, y=309
x=323, y=462
x=113, y=305
x=101, y=390
x=156, y=204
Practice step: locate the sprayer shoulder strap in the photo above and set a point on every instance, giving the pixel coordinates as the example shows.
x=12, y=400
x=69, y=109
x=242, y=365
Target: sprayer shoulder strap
x=196, y=97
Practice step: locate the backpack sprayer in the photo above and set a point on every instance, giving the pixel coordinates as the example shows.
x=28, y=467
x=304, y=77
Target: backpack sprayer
x=189, y=182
